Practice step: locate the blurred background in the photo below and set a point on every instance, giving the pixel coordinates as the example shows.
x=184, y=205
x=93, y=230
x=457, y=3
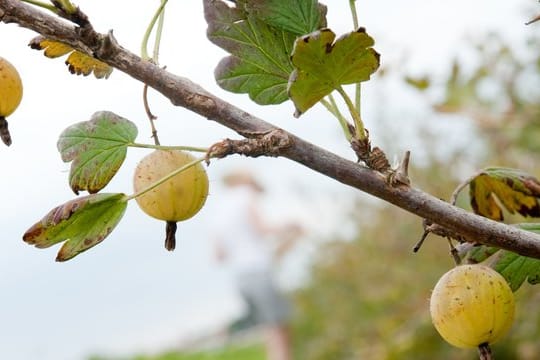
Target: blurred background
x=458, y=87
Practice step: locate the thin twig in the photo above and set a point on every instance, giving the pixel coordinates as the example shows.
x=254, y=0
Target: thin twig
x=151, y=116
x=535, y=19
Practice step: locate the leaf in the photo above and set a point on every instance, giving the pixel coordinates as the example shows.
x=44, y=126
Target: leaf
x=96, y=148
x=419, y=83
x=298, y=17
x=77, y=62
x=516, y=269
x=322, y=65
x=512, y=189
x=82, y=222
x=478, y=253
x=259, y=64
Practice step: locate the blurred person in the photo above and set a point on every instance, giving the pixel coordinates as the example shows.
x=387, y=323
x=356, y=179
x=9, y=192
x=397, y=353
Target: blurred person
x=241, y=242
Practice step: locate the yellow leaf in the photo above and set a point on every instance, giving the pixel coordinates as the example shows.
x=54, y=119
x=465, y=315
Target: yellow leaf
x=54, y=49
x=78, y=63
x=512, y=189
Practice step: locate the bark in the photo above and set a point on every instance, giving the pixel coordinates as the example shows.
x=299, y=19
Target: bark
x=183, y=92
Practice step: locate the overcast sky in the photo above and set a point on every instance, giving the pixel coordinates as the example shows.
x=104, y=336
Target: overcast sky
x=128, y=294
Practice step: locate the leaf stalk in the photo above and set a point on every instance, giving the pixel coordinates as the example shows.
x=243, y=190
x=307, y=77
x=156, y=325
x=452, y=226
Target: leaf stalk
x=148, y=32
x=40, y=4
x=164, y=179
x=332, y=107
x=163, y=147
x=360, y=131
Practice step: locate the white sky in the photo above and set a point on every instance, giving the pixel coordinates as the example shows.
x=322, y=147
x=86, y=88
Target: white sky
x=128, y=294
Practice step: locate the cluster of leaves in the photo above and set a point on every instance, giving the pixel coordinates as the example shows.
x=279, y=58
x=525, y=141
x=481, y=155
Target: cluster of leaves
x=282, y=49
x=96, y=150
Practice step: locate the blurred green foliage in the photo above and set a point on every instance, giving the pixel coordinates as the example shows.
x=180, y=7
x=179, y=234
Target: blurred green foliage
x=367, y=298
x=249, y=352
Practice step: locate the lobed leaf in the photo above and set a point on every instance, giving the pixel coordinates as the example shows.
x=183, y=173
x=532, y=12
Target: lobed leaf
x=82, y=223
x=322, y=65
x=96, y=149
x=495, y=188
x=77, y=62
x=516, y=269
x=259, y=35
x=298, y=17
x=82, y=64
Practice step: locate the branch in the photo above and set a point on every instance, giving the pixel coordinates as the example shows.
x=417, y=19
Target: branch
x=183, y=92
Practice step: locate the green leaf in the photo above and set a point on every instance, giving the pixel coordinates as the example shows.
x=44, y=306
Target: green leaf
x=259, y=64
x=82, y=222
x=298, y=17
x=478, y=253
x=322, y=65
x=515, y=268
x=512, y=189
x=419, y=83
x=96, y=148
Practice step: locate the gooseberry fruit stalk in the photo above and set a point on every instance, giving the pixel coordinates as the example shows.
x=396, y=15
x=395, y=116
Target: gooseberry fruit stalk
x=11, y=90
x=472, y=306
x=170, y=185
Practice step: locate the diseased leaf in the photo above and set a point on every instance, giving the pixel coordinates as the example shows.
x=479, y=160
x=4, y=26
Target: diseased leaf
x=77, y=62
x=52, y=49
x=259, y=64
x=298, y=17
x=322, y=65
x=96, y=149
x=82, y=223
x=512, y=189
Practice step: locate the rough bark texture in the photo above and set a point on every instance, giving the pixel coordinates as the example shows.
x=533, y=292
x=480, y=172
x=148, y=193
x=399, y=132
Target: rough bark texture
x=183, y=92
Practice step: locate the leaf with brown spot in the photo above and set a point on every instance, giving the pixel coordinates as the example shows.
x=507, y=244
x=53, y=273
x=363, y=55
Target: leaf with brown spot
x=82, y=223
x=78, y=63
x=497, y=188
x=323, y=64
x=96, y=149
x=259, y=37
